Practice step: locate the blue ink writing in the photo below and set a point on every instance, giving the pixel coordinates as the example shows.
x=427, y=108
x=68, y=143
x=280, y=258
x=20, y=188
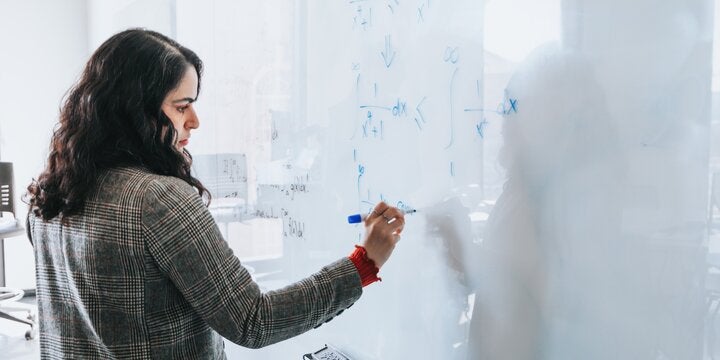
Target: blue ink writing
x=388, y=54
x=481, y=128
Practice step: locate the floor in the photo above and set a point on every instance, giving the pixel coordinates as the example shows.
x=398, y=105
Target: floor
x=13, y=345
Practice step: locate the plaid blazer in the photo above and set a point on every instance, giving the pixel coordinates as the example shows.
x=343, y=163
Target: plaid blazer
x=143, y=272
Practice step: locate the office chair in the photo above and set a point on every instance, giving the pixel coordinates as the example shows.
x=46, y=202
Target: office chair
x=9, y=296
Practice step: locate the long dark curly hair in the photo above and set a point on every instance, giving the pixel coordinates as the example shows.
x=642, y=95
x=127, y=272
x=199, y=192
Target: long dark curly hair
x=112, y=117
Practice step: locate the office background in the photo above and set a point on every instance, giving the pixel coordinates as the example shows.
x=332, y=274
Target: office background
x=307, y=106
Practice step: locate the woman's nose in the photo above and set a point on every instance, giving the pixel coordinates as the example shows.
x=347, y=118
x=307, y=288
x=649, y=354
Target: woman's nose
x=191, y=120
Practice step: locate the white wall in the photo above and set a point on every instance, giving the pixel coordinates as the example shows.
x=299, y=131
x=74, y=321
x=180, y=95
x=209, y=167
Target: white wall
x=44, y=45
x=47, y=43
x=106, y=18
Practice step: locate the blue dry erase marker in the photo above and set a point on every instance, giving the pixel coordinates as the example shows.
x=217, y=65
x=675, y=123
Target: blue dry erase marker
x=358, y=218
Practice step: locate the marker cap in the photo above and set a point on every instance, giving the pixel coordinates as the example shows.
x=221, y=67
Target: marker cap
x=354, y=219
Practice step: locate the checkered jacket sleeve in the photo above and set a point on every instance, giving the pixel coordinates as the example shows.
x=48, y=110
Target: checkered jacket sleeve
x=188, y=248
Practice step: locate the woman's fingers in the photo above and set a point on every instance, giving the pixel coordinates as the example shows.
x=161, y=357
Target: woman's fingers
x=383, y=227
x=394, y=218
x=377, y=212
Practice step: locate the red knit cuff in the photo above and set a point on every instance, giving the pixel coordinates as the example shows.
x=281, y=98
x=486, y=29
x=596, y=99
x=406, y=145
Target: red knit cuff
x=365, y=266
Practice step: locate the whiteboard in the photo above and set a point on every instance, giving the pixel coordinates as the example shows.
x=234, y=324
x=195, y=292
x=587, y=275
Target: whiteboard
x=558, y=153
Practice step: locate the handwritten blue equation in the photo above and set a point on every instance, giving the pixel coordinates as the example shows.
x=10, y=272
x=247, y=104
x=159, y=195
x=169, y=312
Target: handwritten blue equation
x=362, y=10
x=507, y=107
x=398, y=109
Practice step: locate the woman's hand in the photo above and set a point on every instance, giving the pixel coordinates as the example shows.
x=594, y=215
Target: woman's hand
x=382, y=231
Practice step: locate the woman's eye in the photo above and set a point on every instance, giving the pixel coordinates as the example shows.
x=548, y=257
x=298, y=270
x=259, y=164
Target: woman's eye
x=182, y=109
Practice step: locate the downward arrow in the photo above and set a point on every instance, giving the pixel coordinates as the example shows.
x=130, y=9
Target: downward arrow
x=389, y=54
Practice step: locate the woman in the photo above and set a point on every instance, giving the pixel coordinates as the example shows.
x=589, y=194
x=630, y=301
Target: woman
x=130, y=263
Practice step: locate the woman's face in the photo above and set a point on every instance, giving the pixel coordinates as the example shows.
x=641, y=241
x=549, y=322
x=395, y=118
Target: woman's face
x=178, y=106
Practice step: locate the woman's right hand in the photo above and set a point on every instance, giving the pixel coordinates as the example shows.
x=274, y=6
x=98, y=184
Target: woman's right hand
x=382, y=231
